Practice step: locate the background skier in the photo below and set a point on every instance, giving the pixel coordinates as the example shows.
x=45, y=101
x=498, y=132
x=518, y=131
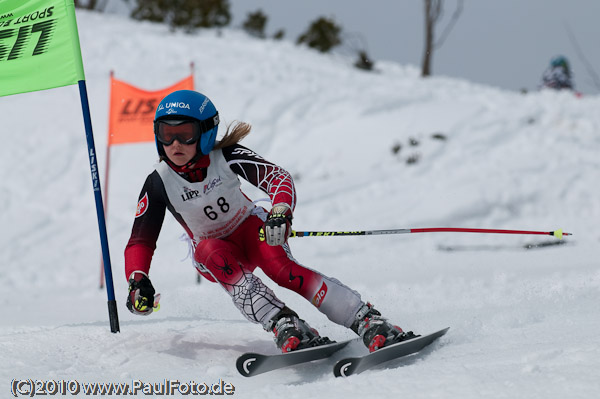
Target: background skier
x=558, y=74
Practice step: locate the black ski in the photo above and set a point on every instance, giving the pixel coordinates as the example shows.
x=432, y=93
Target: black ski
x=251, y=364
x=355, y=365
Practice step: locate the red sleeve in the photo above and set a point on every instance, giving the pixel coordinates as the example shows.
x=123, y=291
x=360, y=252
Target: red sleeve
x=270, y=178
x=137, y=258
x=148, y=222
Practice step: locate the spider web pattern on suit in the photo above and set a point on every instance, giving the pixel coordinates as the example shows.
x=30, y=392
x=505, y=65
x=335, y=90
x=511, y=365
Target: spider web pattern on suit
x=252, y=297
x=270, y=178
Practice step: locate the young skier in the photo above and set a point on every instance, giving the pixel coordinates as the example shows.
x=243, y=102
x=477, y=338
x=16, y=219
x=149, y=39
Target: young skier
x=197, y=180
x=558, y=75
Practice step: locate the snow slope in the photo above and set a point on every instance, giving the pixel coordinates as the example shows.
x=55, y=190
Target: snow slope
x=523, y=321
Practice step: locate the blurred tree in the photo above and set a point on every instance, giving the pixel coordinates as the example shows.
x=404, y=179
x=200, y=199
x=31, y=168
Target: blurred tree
x=255, y=24
x=357, y=45
x=433, y=11
x=323, y=34
x=364, y=62
x=595, y=78
x=187, y=14
x=279, y=34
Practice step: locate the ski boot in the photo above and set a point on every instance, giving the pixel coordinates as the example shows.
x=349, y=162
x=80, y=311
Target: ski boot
x=293, y=333
x=375, y=331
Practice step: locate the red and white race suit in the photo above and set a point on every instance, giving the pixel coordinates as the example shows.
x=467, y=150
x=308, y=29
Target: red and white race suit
x=223, y=225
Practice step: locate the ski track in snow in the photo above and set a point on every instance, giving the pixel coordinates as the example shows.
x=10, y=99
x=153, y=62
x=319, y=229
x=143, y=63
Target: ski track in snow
x=523, y=322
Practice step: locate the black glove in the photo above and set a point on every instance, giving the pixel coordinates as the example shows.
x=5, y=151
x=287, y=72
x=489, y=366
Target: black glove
x=278, y=226
x=140, y=300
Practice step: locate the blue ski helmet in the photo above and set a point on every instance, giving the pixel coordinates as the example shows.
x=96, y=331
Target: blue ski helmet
x=189, y=104
x=560, y=61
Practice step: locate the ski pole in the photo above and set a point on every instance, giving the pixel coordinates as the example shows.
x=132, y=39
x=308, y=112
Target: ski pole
x=557, y=233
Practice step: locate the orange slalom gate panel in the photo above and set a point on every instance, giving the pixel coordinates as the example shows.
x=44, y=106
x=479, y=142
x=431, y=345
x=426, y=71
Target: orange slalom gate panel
x=132, y=110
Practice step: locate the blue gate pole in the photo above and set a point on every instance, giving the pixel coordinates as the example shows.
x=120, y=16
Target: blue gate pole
x=110, y=291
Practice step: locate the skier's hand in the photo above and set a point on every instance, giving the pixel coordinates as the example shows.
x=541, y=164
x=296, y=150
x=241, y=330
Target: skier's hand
x=140, y=300
x=278, y=226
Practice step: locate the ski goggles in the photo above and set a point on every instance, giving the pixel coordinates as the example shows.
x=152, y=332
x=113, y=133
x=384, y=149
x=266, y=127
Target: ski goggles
x=185, y=131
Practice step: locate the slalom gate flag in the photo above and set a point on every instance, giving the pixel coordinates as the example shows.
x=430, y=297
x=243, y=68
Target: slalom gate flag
x=132, y=110
x=39, y=45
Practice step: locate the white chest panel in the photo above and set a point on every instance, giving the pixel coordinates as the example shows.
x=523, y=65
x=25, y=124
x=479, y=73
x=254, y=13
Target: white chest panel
x=212, y=208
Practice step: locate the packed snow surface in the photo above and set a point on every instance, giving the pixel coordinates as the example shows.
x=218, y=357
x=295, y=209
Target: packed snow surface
x=368, y=151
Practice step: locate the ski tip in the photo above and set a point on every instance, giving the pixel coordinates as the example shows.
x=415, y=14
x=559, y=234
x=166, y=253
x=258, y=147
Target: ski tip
x=441, y=332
